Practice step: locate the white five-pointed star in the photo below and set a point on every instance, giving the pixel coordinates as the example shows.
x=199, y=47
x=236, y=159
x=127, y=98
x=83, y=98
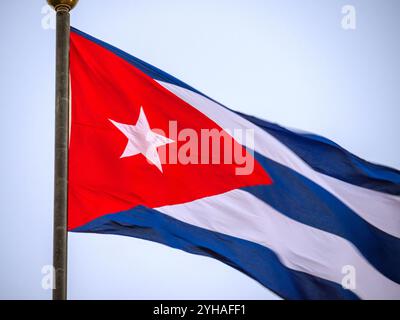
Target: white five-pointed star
x=141, y=139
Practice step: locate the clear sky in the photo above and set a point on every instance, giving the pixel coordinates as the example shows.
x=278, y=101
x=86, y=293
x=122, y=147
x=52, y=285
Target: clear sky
x=288, y=61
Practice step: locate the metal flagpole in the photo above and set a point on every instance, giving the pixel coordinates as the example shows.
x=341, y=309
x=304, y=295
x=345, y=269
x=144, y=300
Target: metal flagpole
x=62, y=8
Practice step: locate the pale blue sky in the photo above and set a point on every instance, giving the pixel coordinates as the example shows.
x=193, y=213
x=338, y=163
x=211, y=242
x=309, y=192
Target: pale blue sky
x=286, y=61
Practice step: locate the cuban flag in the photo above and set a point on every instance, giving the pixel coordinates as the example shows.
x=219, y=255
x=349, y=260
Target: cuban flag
x=153, y=158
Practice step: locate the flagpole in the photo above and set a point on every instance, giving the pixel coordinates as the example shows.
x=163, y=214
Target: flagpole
x=62, y=8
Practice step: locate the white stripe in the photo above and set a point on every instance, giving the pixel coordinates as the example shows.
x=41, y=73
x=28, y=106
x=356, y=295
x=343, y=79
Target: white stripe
x=299, y=247
x=379, y=209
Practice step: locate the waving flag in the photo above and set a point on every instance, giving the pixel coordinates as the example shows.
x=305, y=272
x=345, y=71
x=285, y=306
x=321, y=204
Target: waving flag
x=150, y=157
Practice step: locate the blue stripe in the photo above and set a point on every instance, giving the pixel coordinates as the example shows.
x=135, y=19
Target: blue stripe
x=305, y=201
x=327, y=157
x=320, y=153
x=257, y=261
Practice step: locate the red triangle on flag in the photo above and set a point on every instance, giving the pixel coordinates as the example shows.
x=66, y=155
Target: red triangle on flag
x=114, y=105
